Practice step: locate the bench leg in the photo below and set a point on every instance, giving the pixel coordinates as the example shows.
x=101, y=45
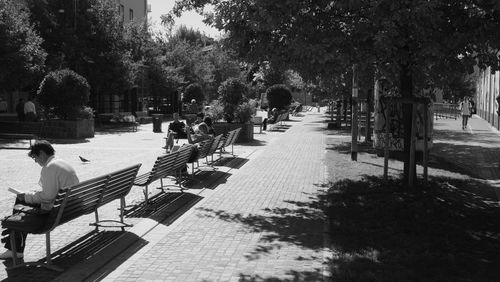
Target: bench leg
x=48, y=260
x=146, y=194
x=13, y=247
x=96, y=220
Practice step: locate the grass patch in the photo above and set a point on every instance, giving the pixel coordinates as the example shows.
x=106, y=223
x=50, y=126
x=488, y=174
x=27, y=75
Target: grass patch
x=446, y=230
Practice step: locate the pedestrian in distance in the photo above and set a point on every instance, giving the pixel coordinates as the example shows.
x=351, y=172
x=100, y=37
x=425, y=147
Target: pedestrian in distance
x=465, y=111
x=31, y=209
x=20, y=109
x=30, y=110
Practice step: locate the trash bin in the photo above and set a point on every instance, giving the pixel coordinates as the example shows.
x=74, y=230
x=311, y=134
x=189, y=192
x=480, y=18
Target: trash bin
x=157, y=120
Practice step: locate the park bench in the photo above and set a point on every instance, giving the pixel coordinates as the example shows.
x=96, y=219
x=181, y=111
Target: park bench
x=163, y=167
x=142, y=117
x=21, y=130
x=279, y=121
x=208, y=148
x=258, y=121
x=122, y=121
x=168, y=165
x=82, y=199
x=180, y=166
x=229, y=140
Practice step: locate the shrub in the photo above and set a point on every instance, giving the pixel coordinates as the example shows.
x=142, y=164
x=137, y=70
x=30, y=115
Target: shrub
x=279, y=96
x=245, y=111
x=63, y=93
x=215, y=110
x=231, y=93
x=86, y=113
x=194, y=91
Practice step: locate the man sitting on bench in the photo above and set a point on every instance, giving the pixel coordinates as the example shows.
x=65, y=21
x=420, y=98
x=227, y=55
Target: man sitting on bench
x=176, y=129
x=272, y=118
x=32, y=208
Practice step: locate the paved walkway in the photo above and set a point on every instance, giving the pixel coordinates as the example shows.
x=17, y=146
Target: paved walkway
x=260, y=224
x=257, y=217
x=474, y=151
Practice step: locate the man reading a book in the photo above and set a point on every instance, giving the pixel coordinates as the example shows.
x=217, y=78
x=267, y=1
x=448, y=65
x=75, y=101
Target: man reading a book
x=32, y=208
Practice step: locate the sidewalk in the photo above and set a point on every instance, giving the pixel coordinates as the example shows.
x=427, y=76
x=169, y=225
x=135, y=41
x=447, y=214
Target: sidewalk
x=474, y=151
x=256, y=217
x=262, y=223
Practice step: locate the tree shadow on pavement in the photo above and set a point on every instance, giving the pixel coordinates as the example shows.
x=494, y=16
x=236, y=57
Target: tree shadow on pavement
x=486, y=137
x=300, y=224
x=235, y=162
x=255, y=142
x=94, y=247
x=447, y=230
x=476, y=161
x=445, y=156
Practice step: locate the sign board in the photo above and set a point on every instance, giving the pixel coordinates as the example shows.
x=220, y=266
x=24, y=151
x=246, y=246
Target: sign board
x=394, y=120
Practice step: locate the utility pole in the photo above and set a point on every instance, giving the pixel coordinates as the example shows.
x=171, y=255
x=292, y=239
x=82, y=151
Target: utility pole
x=354, y=120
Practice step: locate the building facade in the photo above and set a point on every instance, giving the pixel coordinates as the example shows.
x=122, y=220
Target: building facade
x=137, y=11
x=487, y=90
x=133, y=10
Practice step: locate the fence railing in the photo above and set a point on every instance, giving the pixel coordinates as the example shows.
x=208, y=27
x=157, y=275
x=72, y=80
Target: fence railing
x=442, y=110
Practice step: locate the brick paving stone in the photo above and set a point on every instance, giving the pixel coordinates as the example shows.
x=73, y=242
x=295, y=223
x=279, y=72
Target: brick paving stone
x=107, y=153
x=262, y=222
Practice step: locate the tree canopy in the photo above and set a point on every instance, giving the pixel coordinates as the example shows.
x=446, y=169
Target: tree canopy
x=323, y=37
x=21, y=56
x=412, y=43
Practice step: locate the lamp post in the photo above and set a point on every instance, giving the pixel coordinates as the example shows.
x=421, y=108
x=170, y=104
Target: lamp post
x=354, y=120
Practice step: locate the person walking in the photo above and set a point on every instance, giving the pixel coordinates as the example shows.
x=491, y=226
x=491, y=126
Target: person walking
x=20, y=109
x=29, y=110
x=56, y=174
x=465, y=110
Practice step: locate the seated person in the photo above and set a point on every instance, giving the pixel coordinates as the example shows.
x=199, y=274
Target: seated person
x=176, y=129
x=56, y=174
x=199, y=119
x=272, y=118
x=201, y=131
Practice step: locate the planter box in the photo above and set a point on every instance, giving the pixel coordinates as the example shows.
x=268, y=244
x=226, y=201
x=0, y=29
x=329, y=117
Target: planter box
x=246, y=133
x=68, y=129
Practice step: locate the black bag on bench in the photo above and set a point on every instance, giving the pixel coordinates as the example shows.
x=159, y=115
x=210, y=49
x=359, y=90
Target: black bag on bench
x=26, y=218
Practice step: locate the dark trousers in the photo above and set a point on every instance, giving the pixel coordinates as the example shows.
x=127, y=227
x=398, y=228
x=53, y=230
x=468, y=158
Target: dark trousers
x=32, y=222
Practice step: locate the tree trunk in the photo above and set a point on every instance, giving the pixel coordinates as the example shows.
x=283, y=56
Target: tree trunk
x=406, y=92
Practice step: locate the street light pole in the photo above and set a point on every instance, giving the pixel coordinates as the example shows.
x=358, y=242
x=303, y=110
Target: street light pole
x=354, y=120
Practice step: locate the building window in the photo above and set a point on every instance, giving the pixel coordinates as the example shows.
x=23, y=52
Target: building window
x=122, y=12
x=131, y=14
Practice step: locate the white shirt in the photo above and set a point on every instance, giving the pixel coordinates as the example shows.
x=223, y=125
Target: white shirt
x=465, y=108
x=29, y=107
x=56, y=174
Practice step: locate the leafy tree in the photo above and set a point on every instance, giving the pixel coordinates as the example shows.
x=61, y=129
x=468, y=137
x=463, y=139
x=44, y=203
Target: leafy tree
x=409, y=41
x=63, y=93
x=225, y=65
x=194, y=91
x=88, y=38
x=231, y=93
x=193, y=37
x=279, y=96
x=21, y=56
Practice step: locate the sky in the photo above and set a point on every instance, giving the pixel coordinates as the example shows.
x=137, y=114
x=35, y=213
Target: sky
x=189, y=19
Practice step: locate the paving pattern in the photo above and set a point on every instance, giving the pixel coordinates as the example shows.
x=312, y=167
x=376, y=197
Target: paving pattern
x=255, y=217
x=263, y=223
